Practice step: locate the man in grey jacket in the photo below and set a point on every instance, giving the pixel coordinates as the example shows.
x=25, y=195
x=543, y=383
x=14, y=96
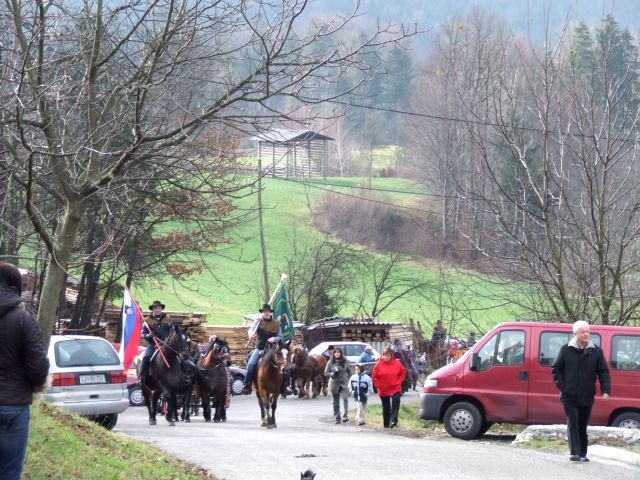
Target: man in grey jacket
x=575, y=370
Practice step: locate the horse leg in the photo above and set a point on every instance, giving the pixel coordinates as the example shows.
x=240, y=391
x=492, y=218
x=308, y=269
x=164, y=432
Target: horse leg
x=206, y=405
x=170, y=416
x=263, y=409
x=274, y=404
x=150, y=400
x=186, y=408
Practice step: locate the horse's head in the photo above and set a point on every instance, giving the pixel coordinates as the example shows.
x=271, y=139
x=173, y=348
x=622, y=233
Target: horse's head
x=221, y=352
x=299, y=356
x=178, y=341
x=280, y=352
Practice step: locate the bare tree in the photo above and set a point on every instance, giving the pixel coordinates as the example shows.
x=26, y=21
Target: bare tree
x=384, y=281
x=100, y=93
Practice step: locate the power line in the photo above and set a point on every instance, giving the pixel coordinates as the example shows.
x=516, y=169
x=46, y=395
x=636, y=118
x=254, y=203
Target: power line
x=464, y=120
x=381, y=202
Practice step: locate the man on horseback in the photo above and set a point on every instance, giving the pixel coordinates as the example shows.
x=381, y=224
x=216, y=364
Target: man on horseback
x=157, y=325
x=264, y=328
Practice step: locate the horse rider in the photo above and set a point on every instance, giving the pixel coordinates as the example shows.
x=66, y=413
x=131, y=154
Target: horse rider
x=265, y=328
x=157, y=325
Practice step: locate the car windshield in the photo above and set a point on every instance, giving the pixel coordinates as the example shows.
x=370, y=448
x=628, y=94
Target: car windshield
x=84, y=352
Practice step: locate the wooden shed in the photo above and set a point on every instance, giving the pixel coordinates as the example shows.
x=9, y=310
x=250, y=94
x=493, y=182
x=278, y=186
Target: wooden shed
x=293, y=153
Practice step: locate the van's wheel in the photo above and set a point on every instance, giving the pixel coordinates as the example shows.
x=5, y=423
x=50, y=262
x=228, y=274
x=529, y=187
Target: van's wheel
x=627, y=420
x=463, y=420
x=107, y=421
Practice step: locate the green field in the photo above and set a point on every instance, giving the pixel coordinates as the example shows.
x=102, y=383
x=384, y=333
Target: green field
x=231, y=287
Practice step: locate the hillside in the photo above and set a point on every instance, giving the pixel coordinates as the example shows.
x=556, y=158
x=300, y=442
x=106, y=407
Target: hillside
x=231, y=288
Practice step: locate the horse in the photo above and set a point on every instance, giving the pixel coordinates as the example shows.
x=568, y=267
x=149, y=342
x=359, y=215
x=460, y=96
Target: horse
x=436, y=353
x=410, y=379
x=268, y=381
x=167, y=376
x=306, y=368
x=213, y=380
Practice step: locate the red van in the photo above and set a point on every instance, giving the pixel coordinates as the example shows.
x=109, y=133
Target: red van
x=506, y=378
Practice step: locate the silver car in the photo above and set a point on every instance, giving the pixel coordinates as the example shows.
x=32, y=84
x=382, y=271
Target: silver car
x=86, y=377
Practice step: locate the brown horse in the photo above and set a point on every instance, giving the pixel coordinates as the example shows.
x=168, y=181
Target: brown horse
x=308, y=371
x=268, y=382
x=213, y=380
x=167, y=376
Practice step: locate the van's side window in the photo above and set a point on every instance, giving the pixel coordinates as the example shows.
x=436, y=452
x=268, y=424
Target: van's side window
x=625, y=352
x=511, y=347
x=551, y=342
x=487, y=354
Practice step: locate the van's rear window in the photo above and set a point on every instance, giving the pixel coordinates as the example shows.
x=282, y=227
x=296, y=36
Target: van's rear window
x=625, y=352
x=85, y=352
x=551, y=342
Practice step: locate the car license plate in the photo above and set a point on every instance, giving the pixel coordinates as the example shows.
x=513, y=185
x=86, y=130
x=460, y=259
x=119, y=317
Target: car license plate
x=86, y=379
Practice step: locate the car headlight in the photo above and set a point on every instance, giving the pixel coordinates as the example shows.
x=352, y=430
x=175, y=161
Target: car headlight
x=431, y=382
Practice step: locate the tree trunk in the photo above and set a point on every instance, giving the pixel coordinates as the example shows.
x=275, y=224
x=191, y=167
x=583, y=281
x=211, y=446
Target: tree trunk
x=54, y=281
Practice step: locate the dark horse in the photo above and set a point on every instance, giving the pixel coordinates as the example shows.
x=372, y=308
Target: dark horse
x=268, y=382
x=213, y=380
x=167, y=380
x=308, y=371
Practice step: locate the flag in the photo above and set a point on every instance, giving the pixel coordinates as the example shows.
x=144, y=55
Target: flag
x=282, y=310
x=131, y=328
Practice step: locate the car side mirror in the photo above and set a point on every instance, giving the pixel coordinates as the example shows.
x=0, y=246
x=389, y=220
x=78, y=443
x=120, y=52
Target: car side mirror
x=475, y=362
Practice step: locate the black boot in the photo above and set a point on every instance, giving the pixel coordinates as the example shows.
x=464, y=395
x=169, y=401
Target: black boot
x=144, y=369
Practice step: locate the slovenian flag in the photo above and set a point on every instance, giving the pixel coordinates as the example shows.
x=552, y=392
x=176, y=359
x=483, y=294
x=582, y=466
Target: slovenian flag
x=131, y=328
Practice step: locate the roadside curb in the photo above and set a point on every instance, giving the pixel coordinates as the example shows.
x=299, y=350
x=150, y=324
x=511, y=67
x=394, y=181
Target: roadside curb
x=613, y=453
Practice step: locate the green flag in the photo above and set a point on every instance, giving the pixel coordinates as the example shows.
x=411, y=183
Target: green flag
x=281, y=310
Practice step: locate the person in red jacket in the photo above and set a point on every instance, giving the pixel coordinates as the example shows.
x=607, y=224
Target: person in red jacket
x=388, y=375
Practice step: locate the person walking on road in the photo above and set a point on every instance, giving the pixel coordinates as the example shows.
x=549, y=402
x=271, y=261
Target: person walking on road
x=360, y=385
x=574, y=371
x=25, y=366
x=388, y=375
x=338, y=372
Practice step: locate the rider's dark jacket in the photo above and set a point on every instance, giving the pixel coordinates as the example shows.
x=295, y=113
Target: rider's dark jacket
x=23, y=355
x=267, y=329
x=158, y=326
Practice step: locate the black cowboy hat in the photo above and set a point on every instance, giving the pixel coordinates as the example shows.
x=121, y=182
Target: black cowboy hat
x=266, y=306
x=156, y=303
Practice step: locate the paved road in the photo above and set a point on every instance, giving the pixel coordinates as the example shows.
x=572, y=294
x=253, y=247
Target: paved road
x=306, y=438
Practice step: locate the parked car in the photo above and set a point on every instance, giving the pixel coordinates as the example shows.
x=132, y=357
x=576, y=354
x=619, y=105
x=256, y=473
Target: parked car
x=87, y=377
x=506, y=377
x=351, y=350
x=237, y=379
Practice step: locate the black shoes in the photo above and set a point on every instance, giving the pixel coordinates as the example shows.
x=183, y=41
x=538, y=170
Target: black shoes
x=393, y=424
x=574, y=458
x=338, y=420
x=246, y=390
x=345, y=419
x=584, y=459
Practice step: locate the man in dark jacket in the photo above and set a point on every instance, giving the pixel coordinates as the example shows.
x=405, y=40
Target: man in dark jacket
x=265, y=328
x=574, y=372
x=23, y=357
x=157, y=325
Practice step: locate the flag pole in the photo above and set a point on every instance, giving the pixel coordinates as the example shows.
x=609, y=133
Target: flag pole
x=155, y=340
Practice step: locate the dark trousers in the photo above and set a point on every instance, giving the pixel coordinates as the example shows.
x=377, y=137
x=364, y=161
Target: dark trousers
x=14, y=432
x=577, y=422
x=390, y=408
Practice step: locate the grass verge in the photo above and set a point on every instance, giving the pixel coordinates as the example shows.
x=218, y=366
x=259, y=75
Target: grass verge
x=65, y=446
